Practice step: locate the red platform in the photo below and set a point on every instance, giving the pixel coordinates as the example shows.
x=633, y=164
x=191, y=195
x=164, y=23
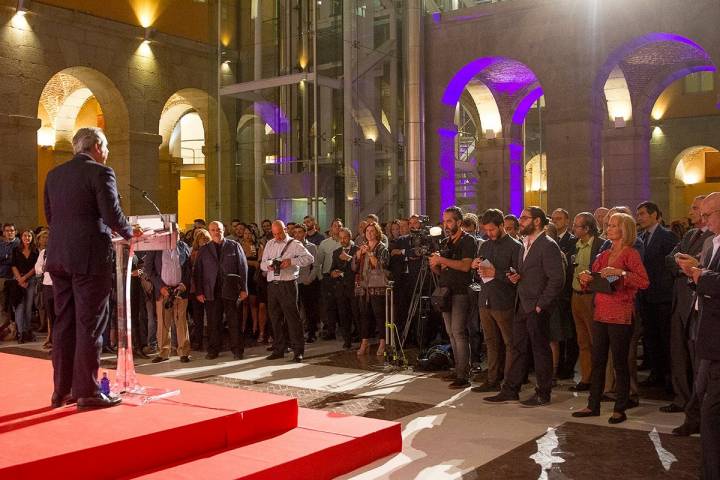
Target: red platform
x=205, y=432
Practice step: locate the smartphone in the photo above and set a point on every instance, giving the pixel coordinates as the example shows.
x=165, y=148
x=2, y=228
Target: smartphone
x=512, y=270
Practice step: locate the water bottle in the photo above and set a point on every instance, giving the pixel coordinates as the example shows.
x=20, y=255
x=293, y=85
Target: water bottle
x=105, y=384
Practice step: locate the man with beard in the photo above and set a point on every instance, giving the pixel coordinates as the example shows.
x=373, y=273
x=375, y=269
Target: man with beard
x=540, y=280
x=453, y=266
x=313, y=234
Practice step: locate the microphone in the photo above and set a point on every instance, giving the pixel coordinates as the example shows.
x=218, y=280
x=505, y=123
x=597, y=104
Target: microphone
x=146, y=197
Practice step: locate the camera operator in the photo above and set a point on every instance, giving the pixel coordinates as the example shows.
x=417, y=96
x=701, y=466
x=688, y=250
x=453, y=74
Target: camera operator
x=220, y=280
x=282, y=259
x=170, y=273
x=453, y=265
x=497, y=296
x=343, y=279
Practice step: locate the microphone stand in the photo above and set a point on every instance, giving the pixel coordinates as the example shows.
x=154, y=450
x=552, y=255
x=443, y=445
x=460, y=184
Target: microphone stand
x=146, y=197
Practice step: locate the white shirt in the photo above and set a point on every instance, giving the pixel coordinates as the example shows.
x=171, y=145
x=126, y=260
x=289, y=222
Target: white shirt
x=528, y=241
x=296, y=252
x=40, y=268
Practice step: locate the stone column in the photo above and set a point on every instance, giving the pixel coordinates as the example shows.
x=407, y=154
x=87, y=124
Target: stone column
x=492, y=176
x=18, y=175
x=625, y=153
x=143, y=173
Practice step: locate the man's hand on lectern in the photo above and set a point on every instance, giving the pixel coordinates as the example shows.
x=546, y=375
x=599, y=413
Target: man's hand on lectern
x=137, y=231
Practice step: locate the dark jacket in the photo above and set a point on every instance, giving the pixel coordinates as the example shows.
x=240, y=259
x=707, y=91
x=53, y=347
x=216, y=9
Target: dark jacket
x=707, y=346
x=691, y=244
x=542, y=275
x=153, y=268
x=661, y=244
x=82, y=209
x=348, y=278
x=499, y=294
x=597, y=244
x=208, y=266
x=567, y=242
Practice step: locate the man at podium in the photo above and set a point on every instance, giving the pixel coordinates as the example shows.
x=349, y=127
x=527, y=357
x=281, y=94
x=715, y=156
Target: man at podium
x=82, y=209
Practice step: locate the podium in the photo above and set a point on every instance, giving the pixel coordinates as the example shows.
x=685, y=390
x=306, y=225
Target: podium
x=159, y=233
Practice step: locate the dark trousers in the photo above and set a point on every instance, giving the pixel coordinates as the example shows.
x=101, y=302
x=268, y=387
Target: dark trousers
x=197, y=325
x=656, y=336
x=331, y=308
x=285, y=317
x=347, y=308
x=215, y=310
x=49, y=301
x=681, y=362
x=530, y=337
x=372, y=316
x=617, y=339
x=310, y=300
x=475, y=333
x=137, y=305
x=708, y=387
x=81, y=314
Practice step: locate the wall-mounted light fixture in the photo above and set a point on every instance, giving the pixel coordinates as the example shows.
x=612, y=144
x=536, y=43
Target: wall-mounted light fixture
x=22, y=7
x=149, y=34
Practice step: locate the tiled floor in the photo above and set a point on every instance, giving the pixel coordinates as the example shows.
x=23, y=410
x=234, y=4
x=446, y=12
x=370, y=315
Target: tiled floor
x=449, y=433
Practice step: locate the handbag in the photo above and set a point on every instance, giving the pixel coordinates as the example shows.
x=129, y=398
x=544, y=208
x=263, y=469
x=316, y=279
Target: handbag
x=601, y=285
x=441, y=299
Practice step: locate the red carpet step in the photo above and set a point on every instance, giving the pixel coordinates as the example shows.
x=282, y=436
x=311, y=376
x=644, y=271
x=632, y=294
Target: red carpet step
x=206, y=432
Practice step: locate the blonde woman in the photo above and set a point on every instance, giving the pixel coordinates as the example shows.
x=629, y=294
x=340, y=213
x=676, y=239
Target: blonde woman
x=201, y=237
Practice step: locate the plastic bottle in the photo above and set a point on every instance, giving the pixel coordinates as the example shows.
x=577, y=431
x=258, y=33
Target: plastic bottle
x=105, y=384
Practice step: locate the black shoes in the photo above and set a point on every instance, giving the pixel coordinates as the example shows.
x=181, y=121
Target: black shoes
x=184, y=359
x=535, y=401
x=109, y=349
x=502, y=397
x=310, y=339
x=347, y=345
x=652, y=381
x=99, y=401
x=580, y=387
x=672, y=408
x=159, y=359
x=586, y=413
x=459, y=383
x=275, y=356
x=238, y=356
x=449, y=377
x=211, y=356
x=58, y=401
x=632, y=403
x=686, y=429
x=486, y=388
x=620, y=418
x=298, y=358
x=138, y=353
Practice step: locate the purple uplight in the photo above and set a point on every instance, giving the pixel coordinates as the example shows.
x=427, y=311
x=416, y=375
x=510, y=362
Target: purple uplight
x=524, y=105
x=273, y=116
x=457, y=83
x=447, y=167
x=436, y=17
x=517, y=193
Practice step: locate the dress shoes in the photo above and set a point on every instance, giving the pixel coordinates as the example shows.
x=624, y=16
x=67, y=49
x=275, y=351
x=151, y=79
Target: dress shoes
x=685, y=430
x=298, y=358
x=109, y=349
x=486, y=388
x=138, y=353
x=580, y=387
x=586, y=413
x=310, y=339
x=211, y=356
x=449, y=377
x=58, y=401
x=347, y=345
x=185, y=359
x=159, y=359
x=238, y=356
x=632, y=403
x=275, y=356
x=502, y=397
x=459, y=383
x=614, y=420
x=652, y=381
x=535, y=401
x=672, y=408
x=99, y=401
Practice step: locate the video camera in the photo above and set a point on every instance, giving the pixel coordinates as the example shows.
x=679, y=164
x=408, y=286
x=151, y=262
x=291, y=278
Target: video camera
x=425, y=240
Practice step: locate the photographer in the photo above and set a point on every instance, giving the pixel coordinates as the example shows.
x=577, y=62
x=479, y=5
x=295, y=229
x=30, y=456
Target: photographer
x=282, y=259
x=170, y=273
x=453, y=263
x=497, y=296
x=220, y=281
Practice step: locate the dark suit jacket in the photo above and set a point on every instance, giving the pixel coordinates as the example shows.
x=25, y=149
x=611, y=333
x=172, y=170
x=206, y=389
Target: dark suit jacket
x=661, y=280
x=348, y=278
x=82, y=209
x=567, y=242
x=707, y=346
x=542, y=275
x=692, y=244
x=500, y=293
x=153, y=268
x=207, y=266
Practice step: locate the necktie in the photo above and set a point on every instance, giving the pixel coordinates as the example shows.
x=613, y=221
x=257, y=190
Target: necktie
x=646, y=240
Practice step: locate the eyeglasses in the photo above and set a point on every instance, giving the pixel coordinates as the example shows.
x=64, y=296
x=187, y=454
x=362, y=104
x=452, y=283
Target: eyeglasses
x=525, y=217
x=705, y=216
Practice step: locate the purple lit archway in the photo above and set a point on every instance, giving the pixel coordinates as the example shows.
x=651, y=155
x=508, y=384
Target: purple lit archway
x=515, y=88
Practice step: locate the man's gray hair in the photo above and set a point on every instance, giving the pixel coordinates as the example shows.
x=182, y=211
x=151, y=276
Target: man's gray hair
x=86, y=138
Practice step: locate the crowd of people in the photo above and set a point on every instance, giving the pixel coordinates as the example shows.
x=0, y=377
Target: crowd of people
x=530, y=293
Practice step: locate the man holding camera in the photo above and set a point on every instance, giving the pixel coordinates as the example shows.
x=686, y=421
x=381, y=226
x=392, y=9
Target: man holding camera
x=453, y=265
x=498, y=256
x=220, y=283
x=540, y=280
x=281, y=261
x=170, y=273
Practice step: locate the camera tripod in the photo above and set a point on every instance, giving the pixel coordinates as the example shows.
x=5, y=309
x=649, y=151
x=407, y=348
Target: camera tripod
x=416, y=302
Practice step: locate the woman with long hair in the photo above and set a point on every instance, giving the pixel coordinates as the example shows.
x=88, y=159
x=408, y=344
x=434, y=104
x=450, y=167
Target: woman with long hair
x=23, y=261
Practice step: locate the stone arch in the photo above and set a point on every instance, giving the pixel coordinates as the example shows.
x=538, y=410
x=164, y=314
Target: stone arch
x=620, y=150
x=515, y=88
x=678, y=202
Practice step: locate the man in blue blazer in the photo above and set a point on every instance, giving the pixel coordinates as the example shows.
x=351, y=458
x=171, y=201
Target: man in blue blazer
x=220, y=281
x=82, y=209
x=656, y=301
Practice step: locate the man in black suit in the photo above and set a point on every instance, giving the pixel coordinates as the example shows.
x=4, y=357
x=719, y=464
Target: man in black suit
x=540, y=280
x=656, y=301
x=680, y=355
x=705, y=330
x=343, y=284
x=82, y=209
x=220, y=282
